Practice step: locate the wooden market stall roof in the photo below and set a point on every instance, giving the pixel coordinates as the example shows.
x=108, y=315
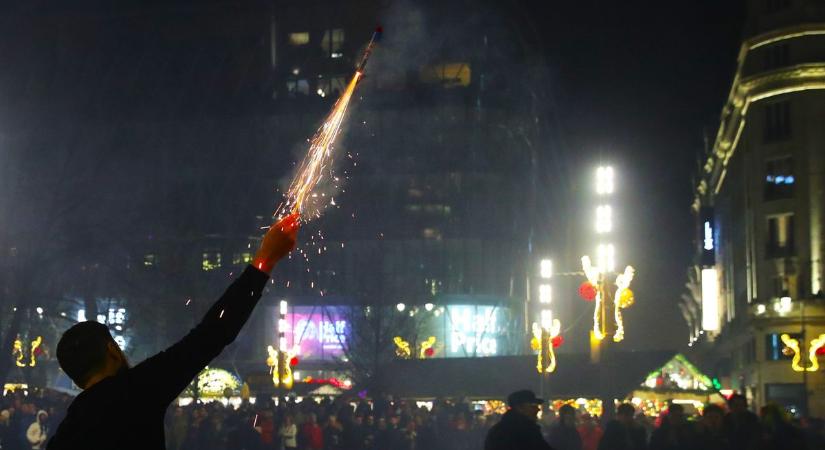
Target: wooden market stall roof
x=616, y=375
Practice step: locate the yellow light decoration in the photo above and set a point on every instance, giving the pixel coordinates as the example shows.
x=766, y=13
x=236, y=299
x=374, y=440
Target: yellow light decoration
x=17, y=352
x=623, y=284
x=815, y=345
x=34, y=345
x=20, y=356
x=426, y=345
x=535, y=344
x=626, y=298
x=213, y=382
x=276, y=359
x=402, y=348
x=793, y=345
x=546, y=358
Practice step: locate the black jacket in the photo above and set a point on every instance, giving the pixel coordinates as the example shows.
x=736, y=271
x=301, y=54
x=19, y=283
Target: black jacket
x=515, y=432
x=126, y=411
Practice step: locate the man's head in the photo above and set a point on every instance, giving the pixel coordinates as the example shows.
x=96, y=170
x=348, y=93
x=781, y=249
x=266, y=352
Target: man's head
x=525, y=403
x=676, y=414
x=88, y=353
x=567, y=415
x=625, y=412
x=712, y=417
x=737, y=403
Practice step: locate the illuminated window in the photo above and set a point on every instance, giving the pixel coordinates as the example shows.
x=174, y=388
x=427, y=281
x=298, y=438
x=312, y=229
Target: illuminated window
x=211, y=260
x=777, y=121
x=779, y=178
x=774, y=347
x=297, y=87
x=300, y=38
x=447, y=75
x=332, y=42
x=241, y=258
x=150, y=260
x=431, y=233
x=780, y=236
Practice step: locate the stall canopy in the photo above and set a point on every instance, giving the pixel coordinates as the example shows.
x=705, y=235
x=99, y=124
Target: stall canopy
x=615, y=376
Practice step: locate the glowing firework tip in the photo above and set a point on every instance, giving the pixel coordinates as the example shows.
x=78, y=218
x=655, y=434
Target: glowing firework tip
x=317, y=164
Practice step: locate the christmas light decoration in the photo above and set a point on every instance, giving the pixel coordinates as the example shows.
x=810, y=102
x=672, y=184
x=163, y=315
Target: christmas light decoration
x=814, y=348
x=546, y=330
x=426, y=348
x=279, y=363
x=402, y=348
x=34, y=352
x=598, y=285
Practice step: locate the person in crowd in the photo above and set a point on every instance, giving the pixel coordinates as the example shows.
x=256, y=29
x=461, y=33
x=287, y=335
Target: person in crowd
x=590, y=432
x=312, y=436
x=709, y=432
x=675, y=433
x=288, y=433
x=176, y=432
x=38, y=431
x=266, y=427
x=241, y=434
x=777, y=432
x=814, y=430
x=741, y=426
x=563, y=434
x=623, y=433
x=5, y=429
x=518, y=429
x=333, y=434
x=123, y=407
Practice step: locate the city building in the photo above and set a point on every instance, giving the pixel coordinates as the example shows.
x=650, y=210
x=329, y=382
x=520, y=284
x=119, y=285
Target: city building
x=756, y=304
x=207, y=105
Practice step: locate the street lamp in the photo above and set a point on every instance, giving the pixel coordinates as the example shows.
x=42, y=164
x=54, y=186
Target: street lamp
x=602, y=276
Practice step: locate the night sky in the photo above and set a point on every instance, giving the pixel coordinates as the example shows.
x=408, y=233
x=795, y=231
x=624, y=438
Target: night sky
x=638, y=84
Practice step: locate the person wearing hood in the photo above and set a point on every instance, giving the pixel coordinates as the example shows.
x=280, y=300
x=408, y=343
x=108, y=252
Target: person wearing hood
x=123, y=407
x=517, y=429
x=38, y=431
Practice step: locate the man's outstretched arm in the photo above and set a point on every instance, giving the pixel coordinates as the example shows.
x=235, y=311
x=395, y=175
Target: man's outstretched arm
x=161, y=378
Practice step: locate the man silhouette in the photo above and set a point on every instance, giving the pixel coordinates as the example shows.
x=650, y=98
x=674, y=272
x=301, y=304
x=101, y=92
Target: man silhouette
x=123, y=407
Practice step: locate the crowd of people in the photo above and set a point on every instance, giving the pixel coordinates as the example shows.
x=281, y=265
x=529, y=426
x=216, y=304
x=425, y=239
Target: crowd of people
x=336, y=424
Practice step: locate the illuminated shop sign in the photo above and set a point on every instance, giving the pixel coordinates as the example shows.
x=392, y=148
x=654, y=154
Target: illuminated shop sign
x=472, y=330
x=318, y=332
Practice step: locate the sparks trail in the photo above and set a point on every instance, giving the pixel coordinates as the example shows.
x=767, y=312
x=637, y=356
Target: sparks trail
x=318, y=159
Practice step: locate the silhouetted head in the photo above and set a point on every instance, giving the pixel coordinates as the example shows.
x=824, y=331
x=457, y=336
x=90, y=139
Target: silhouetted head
x=676, y=414
x=525, y=403
x=712, y=417
x=567, y=415
x=88, y=353
x=737, y=403
x=625, y=412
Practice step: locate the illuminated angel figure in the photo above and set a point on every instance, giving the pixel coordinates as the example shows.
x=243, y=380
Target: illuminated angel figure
x=402, y=348
x=793, y=345
x=281, y=378
x=425, y=349
x=543, y=342
x=19, y=355
x=592, y=274
x=622, y=299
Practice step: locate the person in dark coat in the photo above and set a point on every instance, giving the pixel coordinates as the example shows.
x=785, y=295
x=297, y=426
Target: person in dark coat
x=517, y=429
x=123, y=407
x=623, y=433
x=675, y=433
x=741, y=426
x=563, y=434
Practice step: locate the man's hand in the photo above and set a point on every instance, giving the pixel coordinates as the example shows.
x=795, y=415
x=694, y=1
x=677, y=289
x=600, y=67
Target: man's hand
x=278, y=242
